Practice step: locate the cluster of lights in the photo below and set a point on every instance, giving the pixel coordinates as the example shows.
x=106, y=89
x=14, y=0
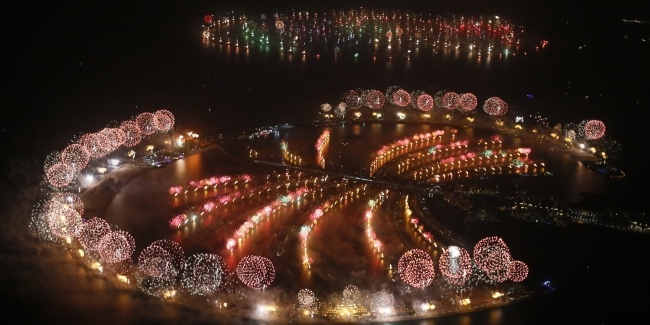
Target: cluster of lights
x=206, y=183
x=408, y=32
x=321, y=142
x=262, y=214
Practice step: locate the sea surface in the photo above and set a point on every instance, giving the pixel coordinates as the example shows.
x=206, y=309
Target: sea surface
x=77, y=67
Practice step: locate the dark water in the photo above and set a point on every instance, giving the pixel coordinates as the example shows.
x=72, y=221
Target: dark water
x=72, y=68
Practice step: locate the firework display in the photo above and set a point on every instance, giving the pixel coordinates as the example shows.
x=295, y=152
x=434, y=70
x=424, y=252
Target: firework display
x=257, y=272
x=163, y=120
x=90, y=233
x=156, y=262
x=455, y=265
x=307, y=299
x=313, y=33
x=116, y=246
x=593, y=129
x=424, y=102
x=416, y=268
x=132, y=133
x=202, y=273
x=62, y=220
x=75, y=156
x=491, y=254
x=374, y=99
x=495, y=106
x=467, y=102
x=518, y=271
x=60, y=175
x=382, y=303
x=146, y=123
x=401, y=98
x=351, y=295
x=451, y=100
x=162, y=265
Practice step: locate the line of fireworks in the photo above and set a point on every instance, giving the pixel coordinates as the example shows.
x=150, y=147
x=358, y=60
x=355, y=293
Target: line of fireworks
x=321, y=142
x=433, y=153
x=62, y=168
x=402, y=146
x=415, y=223
x=376, y=244
x=210, y=182
x=262, y=214
x=316, y=214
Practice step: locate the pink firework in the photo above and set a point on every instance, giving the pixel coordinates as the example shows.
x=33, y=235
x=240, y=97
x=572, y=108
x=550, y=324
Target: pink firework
x=67, y=199
x=116, y=246
x=110, y=138
x=594, y=129
x=132, y=133
x=451, y=100
x=146, y=123
x=155, y=261
x=164, y=120
x=61, y=220
x=60, y=175
x=491, y=254
x=467, y=103
x=90, y=233
x=425, y=102
x=416, y=268
x=495, y=106
x=75, y=156
x=401, y=98
x=174, y=249
x=455, y=265
x=518, y=271
x=95, y=144
x=374, y=99
x=257, y=272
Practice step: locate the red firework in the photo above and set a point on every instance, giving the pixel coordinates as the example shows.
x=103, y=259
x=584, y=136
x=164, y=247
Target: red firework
x=594, y=129
x=375, y=99
x=116, y=246
x=75, y=156
x=451, y=100
x=455, y=265
x=95, y=144
x=416, y=268
x=164, y=120
x=468, y=102
x=425, y=102
x=518, y=271
x=495, y=106
x=257, y=272
x=401, y=98
x=146, y=123
x=60, y=175
x=90, y=233
x=491, y=254
x=132, y=133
